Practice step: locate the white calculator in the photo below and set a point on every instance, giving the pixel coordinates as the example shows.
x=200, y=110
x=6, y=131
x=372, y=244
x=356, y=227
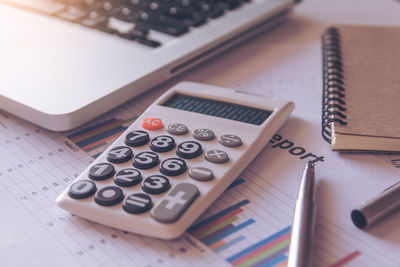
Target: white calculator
x=175, y=160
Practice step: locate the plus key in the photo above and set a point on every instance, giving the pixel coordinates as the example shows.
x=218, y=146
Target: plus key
x=171, y=208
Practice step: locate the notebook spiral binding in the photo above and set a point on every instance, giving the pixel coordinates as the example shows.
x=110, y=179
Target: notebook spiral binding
x=333, y=104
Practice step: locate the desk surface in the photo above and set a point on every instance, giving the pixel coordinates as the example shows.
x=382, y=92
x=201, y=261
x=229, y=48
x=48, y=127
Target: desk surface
x=35, y=165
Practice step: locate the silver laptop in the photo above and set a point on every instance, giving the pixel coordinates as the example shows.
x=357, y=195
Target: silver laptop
x=64, y=62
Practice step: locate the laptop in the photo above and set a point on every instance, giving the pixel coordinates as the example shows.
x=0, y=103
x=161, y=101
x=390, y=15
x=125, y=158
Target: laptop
x=64, y=62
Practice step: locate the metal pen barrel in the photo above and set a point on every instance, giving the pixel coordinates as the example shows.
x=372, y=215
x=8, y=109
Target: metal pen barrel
x=379, y=207
x=304, y=221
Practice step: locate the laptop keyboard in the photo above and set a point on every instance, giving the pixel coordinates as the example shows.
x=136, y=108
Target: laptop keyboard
x=133, y=19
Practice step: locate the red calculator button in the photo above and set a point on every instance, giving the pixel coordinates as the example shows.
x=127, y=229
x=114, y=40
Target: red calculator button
x=152, y=124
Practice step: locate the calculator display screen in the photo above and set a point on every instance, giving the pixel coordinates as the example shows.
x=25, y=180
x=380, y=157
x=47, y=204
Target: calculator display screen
x=218, y=109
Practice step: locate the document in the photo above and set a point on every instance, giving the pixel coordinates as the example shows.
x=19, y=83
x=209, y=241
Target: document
x=249, y=225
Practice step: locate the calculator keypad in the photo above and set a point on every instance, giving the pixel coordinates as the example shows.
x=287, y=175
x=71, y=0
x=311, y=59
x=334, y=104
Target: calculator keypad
x=216, y=156
x=201, y=174
x=203, y=134
x=128, y=177
x=189, y=150
x=230, y=140
x=109, y=195
x=173, y=167
x=137, y=138
x=152, y=124
x=101, y=171
x=82, y=189
x=171, y=207
x=162, y=143
x=137, y=203
x=146, y=160
x=119, y=154
x=177, y=129
x=155, y=184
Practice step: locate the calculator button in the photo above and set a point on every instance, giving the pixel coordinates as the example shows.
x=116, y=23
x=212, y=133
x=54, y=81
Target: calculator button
x=201, y=174
x=162, y=143
x=177, y=129
x=203, y=134
x=145, y=160
x=152, y=124
x=173, y=167
x=137, y=138
x=155, y=184
x=137, y=203
x=216, y=156
x=82, y=189
x=119, y=154
x=101, y=171
x=230, y=140
x=128, y=177
x=109, y=195
x=174, y=204
x=189, y=150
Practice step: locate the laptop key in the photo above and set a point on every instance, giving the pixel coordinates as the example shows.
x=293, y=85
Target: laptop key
x=148, y=42
x=136, y=3
x=109, y=7
x=222, y=5
x=156, y=6
x=139, y=33
x=121, y=26
x=104, y=28
x=230, y=4
x=215, y=13
x=190, y=17
x=161, y=23
x=126, y=36
x=198, y=18
x=72, y=13
x=126, y=13
x=93, y=18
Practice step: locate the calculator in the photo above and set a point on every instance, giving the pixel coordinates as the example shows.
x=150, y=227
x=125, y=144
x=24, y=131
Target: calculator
x=175, y=160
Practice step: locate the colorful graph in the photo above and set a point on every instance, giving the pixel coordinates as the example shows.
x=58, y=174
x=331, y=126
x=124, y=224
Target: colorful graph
x=270, y=251
x=225, y=229
x=214, y=229
x=236, y=183
x=346, y=259
x=96, y=138
x=395, y=159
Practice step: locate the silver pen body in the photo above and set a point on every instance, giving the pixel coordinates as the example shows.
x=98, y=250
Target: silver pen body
x=304, y=221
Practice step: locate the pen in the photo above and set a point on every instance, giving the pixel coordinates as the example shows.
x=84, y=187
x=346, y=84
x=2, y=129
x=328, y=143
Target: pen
x=378, y=208
x=304, y=221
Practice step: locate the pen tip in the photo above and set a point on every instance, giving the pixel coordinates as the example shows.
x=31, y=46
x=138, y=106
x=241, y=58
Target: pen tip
x=310, y=164
x=307, y=184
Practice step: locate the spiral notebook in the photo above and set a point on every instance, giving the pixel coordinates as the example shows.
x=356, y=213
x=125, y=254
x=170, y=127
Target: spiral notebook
x=361, y=88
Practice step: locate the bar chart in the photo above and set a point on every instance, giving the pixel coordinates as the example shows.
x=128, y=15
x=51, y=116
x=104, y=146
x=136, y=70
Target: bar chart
x=255, y=230
x=395, y=159
x=95, y=139
x=213, y=231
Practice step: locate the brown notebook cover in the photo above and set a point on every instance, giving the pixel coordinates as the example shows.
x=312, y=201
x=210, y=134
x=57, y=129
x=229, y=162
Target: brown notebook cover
x=361, y=91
